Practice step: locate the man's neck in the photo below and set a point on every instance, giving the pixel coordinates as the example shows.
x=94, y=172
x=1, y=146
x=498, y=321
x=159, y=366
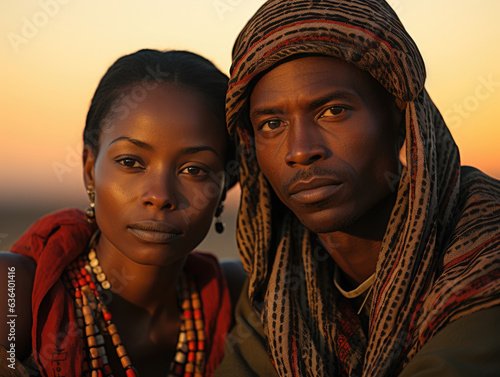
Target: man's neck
x=356, y=249
x=356, y=257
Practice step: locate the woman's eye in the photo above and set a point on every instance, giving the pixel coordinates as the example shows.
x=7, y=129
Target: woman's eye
x=194, y=171
x=271, y=125
x=129, y=162
x=333, y=111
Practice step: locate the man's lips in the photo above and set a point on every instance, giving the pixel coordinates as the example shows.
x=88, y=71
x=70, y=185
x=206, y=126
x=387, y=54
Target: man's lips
x=154, y=231
x=314, y=190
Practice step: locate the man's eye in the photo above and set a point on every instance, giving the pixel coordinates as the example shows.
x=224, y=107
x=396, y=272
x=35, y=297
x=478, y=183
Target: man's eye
x=271, y=125
x=333, y=111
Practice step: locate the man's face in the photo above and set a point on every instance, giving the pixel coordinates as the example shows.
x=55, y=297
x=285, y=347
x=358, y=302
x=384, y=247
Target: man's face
x=326, y=137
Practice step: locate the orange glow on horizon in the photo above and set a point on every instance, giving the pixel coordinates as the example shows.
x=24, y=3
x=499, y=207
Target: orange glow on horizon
x=49, y=77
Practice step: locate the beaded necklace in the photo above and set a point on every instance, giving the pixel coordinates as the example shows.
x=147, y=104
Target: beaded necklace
x=88, y=284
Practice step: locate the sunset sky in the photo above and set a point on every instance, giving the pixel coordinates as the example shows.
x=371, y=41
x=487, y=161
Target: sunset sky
x=53, y=53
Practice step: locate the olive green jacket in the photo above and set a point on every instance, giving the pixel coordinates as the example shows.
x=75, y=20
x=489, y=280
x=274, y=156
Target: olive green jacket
x=469, y=346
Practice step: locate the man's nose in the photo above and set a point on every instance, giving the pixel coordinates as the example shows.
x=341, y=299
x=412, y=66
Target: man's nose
x=306, y=143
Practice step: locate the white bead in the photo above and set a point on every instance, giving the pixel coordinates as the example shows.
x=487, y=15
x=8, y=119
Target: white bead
x=180, y=357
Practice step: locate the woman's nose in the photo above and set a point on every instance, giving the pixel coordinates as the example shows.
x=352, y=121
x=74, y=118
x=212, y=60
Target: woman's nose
x=160, y=192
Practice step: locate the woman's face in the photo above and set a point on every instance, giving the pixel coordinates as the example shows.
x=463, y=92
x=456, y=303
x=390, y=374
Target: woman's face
x=158, y=175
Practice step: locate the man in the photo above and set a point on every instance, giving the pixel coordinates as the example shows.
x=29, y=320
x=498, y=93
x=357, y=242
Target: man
x=370, y=251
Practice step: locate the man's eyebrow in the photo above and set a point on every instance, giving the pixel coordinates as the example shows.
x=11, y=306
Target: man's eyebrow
x=270, y=111
x=201, y=148
x=336, y=95
x=139, y=143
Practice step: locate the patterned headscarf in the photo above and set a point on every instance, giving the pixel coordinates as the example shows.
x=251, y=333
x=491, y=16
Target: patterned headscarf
x=440, y=255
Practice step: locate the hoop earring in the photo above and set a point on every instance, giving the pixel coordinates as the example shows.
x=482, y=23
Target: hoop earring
x=90, y=212
x=219, y=225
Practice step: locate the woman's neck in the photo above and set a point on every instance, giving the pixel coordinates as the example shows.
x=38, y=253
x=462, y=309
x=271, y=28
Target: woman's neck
x=144, y=286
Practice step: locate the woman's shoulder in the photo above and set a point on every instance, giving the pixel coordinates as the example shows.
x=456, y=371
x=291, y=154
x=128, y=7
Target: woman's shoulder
x=19, y=269
x=17, y=260
x=16, y=287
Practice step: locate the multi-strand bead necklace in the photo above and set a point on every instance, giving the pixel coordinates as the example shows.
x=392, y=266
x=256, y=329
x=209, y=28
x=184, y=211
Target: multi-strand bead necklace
x=88, y=284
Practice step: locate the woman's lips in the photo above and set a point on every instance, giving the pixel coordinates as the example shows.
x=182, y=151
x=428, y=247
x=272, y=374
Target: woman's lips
x=154, y=231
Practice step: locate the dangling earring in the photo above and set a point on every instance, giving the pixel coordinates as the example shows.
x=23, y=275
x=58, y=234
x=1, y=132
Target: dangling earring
x=219, y=225
x=90, y=212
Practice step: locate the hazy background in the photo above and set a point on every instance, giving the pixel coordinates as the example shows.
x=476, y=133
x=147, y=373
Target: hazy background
x=53, y=53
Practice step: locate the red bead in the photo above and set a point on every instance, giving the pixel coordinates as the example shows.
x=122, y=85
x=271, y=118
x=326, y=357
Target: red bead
x=188, y=314
x=107, y=316
x=75, y=284
x=82, y=282
x=92, y=286
x=179, y=368
x=78, y=293
x=191, y=357
x=99, y=373
x=201, y=345
x=107, y=370
x=130, y=373
x=96, y=294
x=83, y=271
x=88, y=278
x=192, y=346
x=197, y=314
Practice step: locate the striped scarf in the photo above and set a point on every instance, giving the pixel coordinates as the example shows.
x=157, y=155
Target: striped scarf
x=440, y=254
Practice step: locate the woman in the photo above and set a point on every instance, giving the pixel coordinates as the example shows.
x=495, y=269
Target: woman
x=120, y=293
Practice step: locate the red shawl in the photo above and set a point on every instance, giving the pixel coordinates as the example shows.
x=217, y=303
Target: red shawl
x=56, y=240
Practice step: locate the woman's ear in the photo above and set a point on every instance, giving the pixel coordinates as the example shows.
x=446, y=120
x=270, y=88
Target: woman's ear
x=88, y=166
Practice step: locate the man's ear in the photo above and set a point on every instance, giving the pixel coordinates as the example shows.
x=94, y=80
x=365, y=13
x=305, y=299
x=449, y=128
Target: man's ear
x=88, y=166
x=402, y=154
x=401, y=104
x=399, y=119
